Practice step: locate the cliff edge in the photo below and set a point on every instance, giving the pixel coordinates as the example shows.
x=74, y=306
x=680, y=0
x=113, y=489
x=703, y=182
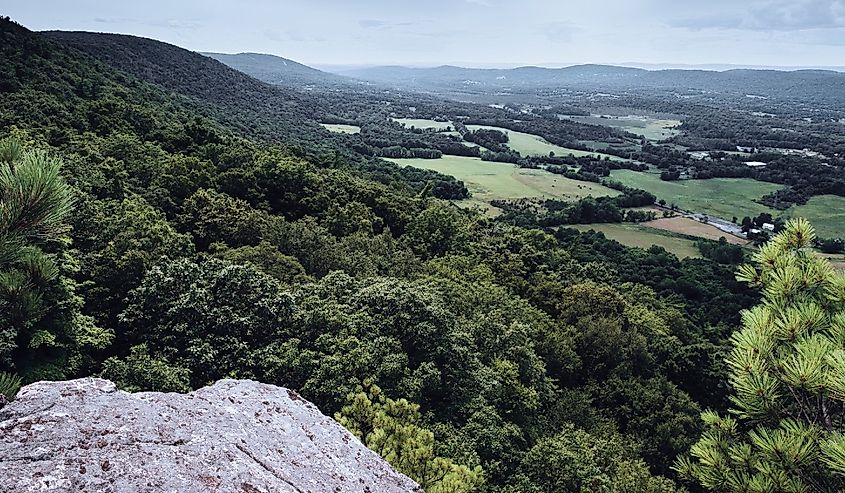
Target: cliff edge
x=236, y=435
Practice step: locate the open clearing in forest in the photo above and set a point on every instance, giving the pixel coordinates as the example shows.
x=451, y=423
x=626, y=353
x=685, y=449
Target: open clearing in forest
x=488, y=180
x=534, y=145
x=640, y=236
x=422, y=123
x=825, y=212
x=721, y=197
x=691, y=227
x=341, y=128
x=650, y=128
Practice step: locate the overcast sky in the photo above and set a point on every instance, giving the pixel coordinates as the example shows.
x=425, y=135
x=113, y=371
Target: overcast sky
x=472, y=32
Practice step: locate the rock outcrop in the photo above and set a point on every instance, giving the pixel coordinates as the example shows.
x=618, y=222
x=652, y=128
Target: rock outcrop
x=236, y=435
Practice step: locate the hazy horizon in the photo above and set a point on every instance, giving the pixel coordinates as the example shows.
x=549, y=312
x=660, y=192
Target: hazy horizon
x=478, y=33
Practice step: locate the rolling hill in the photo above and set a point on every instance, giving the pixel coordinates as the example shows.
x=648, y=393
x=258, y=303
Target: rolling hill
x=820, y=86
x=282, y=71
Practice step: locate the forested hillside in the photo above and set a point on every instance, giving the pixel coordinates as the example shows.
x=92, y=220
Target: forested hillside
x=164, y=232
x=282, y=71
x=241, y=104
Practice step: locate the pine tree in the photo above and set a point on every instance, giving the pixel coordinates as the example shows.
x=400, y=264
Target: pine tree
x=392, y=429
x=784, y=432
x=42, y=330
x=9, y=386
x=33, y=202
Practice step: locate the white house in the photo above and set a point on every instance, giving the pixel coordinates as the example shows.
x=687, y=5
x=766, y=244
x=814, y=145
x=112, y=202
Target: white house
x=768, y=227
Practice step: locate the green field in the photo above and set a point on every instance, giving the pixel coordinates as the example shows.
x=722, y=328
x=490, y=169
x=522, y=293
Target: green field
x=722, y=197
x=421, y=123
x=489, y=180
x=650, y=128
x=636, y=235
x=825, y=212
x=534, y=145
x=341, y=128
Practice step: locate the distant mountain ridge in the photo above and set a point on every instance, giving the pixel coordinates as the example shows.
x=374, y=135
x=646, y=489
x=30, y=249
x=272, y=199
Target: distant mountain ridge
x=280, y=71
x=801, y=85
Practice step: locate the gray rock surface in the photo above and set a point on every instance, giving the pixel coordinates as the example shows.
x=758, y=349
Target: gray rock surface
x=236, y=435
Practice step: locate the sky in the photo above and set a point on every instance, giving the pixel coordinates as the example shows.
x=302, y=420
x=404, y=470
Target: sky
x=504, y=33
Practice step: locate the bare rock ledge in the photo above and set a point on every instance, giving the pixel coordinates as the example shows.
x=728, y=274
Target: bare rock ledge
x=236, y=435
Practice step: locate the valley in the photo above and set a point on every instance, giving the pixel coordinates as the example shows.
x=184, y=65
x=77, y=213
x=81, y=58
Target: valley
x=498, y=280
x=630, y=122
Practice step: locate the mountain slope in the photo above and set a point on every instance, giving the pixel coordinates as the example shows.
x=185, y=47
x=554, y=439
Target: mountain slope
x=62, y=85
x=58, y=92
x=234, y=98
x=281, y=71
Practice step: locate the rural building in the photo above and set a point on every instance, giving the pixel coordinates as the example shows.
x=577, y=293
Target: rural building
x=768, y=227
x=755, y=164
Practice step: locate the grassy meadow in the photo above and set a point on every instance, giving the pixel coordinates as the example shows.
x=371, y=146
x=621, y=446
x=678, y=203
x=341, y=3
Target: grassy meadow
x=341, y=128
x=722, y=197
x=534, y=145
x=422, y=123
x=641, y=236
x=647, y=127
x=489, y=180
x=825, y=212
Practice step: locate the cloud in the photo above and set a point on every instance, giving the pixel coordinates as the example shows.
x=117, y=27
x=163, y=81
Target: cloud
x=774, y=16
x=168, y=23
x=380, y=25
x=372, y=23
x=483, y=3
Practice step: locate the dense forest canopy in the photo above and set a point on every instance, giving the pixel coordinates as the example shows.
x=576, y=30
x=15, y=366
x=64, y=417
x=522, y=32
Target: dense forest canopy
x=168, y=221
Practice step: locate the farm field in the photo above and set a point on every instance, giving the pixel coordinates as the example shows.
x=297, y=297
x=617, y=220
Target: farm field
x=691, y=227
x=341, y=128
x=721, y=197
x=650, y=128
x=638, y=235
x=422, y=123
x=825, y=212
x=534, y=145
x=488, y=180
